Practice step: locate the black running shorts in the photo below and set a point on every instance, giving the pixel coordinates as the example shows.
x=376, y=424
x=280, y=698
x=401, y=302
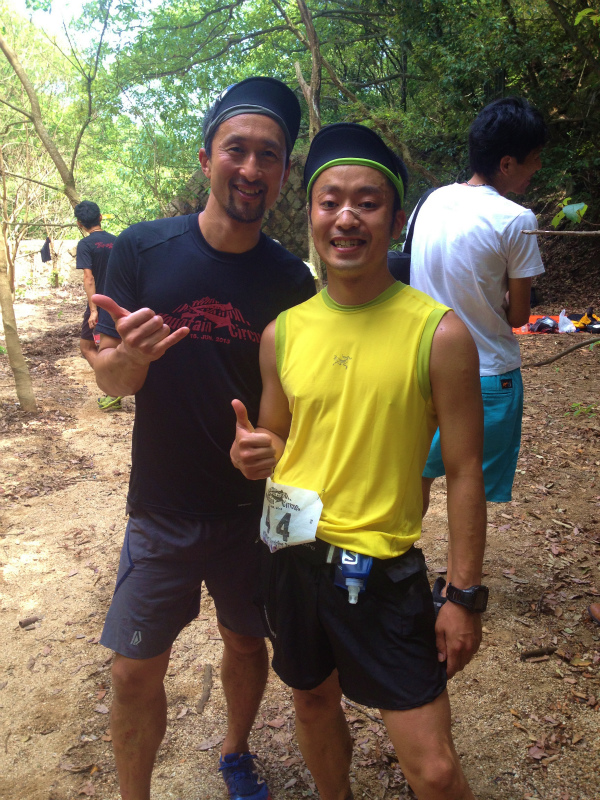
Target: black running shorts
x=383, y=647
x=164, y=561
x=86, y=331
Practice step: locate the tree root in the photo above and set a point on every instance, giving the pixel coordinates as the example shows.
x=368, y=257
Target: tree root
x=562, y=353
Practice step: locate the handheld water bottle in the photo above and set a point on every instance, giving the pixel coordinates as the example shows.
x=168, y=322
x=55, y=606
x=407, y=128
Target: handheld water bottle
x=352, y=573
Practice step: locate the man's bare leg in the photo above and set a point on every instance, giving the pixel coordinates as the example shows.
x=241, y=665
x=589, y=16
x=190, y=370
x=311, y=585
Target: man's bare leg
x=324, y=738
x=423, y=743
x=244, y=672
x=89, y=351
x=138, y=720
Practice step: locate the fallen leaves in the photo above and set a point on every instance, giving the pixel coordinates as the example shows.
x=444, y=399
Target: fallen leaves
x=520, y=727
x=580, y=662
x=76, y=768
x=209, y=744
x=510, y=574
x=81, y=666
x=207, y=677
x=290, y=761
x=536, y=752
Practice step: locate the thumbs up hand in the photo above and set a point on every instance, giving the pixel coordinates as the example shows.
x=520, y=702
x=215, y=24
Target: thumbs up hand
x=252, y=452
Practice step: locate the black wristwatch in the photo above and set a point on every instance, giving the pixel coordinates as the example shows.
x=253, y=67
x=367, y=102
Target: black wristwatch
x=474, y=598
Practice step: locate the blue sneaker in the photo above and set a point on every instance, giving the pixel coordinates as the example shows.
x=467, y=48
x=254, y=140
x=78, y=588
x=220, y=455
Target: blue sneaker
x=241, y=779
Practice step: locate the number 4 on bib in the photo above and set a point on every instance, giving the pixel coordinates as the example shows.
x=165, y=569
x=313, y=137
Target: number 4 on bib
x=290, y=515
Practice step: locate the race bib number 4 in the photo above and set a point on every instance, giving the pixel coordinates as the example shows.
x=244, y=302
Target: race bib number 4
x=290, y=516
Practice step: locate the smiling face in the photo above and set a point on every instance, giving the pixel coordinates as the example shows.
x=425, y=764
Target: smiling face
x=352, y=219
x=247, y=166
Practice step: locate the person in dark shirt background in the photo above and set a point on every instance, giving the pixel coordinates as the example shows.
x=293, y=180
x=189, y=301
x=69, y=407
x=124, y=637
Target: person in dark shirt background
x=93, y=252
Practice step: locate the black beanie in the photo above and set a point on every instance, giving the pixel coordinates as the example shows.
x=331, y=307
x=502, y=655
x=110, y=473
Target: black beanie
x=350, y=143
x=267, y=96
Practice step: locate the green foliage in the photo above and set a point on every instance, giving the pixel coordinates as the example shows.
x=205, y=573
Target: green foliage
x=38, y=5
x=588, y=13
x=424, y=69
x=579, y=409
x=572, y=211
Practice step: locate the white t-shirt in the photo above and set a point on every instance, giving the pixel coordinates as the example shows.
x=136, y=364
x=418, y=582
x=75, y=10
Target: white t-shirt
x=467, y=243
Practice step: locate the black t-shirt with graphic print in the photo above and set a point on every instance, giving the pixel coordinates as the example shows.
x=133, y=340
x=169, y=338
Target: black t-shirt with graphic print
x=93, y=252
x=184, y=422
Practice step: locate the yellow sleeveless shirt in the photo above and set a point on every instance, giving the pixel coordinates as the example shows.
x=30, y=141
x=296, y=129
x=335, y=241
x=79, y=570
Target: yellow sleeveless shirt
x=357, y=381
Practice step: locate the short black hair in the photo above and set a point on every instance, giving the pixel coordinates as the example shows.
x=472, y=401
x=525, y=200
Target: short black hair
x=510, y=126
x=88, y=213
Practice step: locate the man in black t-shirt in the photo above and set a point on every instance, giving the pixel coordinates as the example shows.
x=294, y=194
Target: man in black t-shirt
x=93, y=252
x=189, y=299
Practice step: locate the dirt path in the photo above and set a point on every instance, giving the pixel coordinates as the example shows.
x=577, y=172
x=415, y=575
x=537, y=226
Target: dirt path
x=525, y=728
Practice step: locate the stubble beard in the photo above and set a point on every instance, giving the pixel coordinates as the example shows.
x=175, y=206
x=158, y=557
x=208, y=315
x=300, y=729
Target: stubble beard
x=246, y=214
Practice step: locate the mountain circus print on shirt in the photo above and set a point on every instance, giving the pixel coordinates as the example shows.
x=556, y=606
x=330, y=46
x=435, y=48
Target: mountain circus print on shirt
x=209, y=319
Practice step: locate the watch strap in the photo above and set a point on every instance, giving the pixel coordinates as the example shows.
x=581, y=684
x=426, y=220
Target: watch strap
x=475, y=598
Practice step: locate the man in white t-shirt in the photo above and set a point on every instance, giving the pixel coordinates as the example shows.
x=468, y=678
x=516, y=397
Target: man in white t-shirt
x=469, y=252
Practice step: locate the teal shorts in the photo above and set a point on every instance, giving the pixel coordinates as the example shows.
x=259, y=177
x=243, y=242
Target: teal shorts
x=502, y=414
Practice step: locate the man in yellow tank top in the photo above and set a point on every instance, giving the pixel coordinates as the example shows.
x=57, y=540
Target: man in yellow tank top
x=355, y=382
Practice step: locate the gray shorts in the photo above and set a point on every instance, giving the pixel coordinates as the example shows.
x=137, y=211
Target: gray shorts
x=164, y=561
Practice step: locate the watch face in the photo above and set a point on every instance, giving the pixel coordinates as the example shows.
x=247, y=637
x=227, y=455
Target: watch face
x=481, y=598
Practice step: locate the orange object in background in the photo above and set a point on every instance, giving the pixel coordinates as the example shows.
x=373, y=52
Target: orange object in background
x=534, y=318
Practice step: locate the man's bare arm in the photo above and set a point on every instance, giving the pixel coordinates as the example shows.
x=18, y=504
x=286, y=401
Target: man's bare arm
x=256, y=451
x=89, y=284
x=456, y=392
x=519, y=301
x=122, y=364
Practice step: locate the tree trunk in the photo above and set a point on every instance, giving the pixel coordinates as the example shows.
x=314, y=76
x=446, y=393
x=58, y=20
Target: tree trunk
x=13, y=345
x=54, y=281
x=404, y=81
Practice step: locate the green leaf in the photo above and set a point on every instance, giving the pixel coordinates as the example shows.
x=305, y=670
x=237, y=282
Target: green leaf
x=557, y=219
x=39, y=5
x=583, y=14
x=575, y=211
